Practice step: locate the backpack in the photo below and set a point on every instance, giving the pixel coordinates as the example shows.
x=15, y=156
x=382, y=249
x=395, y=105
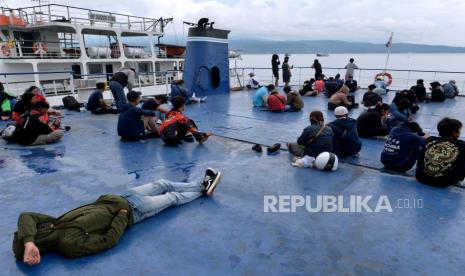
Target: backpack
x=71, y=103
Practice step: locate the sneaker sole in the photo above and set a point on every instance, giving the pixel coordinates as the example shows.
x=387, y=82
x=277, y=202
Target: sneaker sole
x=214, y=184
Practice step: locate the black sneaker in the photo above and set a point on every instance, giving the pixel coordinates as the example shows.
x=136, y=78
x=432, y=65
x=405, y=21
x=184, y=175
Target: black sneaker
x=257, y=148
x=274, y=148
x=211, y=180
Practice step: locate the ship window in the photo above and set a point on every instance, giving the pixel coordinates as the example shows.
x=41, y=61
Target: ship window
x=95, y=68
x=215, y=77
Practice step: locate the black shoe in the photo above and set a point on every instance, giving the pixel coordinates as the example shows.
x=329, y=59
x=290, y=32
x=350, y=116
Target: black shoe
x=274, y=148
x=189, y=138
x=211, y=180
x=257, y=148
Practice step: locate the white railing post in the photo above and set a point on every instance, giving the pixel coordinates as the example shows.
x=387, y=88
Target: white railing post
x=300, y=75
x=49, y=14
x=71, y=80
x=55, y=88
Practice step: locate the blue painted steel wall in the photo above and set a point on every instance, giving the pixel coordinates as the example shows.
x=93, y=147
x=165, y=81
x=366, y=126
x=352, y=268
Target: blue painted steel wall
x=201, y=56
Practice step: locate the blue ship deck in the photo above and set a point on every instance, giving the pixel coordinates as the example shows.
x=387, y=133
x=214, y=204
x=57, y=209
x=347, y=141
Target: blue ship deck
x=229, y=233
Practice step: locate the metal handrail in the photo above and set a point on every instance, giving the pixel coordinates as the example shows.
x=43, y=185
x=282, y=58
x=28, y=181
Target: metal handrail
x=400, y=82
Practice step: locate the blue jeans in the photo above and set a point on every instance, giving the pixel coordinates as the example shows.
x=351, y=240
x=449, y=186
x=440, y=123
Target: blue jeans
x=118, y=94
x=152, y=198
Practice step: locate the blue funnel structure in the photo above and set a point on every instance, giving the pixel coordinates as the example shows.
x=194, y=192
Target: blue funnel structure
x=206, y=68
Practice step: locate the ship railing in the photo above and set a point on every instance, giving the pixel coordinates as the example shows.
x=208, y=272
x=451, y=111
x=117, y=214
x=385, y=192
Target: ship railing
x=28, y=49
x=402, y=79
x=42, y=49
x=61, y=83
x=52, y=13
x=51, y=82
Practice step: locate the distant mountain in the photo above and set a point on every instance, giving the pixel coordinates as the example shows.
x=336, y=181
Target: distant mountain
x=249, y=46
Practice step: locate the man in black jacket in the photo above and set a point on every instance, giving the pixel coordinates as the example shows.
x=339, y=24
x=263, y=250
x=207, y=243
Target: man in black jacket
x=420, y=91
x=36, y=132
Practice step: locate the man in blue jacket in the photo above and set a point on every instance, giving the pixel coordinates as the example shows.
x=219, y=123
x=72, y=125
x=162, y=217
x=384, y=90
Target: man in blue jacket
x=402, y=147
x=346, y=141
x=261, y=95
x=133, y=120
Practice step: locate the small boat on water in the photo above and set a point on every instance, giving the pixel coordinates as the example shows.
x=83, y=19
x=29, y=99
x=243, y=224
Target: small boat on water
x=322, y=54
x=171, y=50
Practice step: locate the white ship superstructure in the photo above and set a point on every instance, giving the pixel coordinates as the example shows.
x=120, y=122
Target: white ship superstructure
x=72, y=48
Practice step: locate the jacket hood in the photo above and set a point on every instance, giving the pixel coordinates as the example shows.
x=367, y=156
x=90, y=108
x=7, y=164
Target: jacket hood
x=346, y=123
x=401, y=130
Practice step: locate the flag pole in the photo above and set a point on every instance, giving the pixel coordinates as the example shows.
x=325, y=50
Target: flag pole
x=389, y=44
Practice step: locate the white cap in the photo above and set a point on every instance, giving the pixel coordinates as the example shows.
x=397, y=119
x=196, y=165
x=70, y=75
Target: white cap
x=340, y=111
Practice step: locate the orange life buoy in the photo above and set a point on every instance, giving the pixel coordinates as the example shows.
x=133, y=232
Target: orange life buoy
x=39, y=48
x=6, y=52
x=384, y=75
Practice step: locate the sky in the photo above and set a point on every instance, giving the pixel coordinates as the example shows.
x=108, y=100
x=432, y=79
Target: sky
x=434, y=22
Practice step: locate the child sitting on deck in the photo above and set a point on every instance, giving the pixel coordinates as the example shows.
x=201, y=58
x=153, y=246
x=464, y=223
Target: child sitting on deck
x=276, y=102
x=340, y=98
x=260, y=98
x=373, y=122
x=315, y=139
x=346, y=142
x=34, y=131
x=294, y=100
x=442, y=162
x=178, y=127
x=403, y=146
x=96, y=104
x=133, y=120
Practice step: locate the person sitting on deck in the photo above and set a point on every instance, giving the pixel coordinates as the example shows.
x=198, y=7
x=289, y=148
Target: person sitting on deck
x=373, y=122
x=442, y=162
x=340, y=98
x=420, y=91
x=399, y=113
x=307, y=89
x=294, y=100
x=315, y=139
x=346, y=142
x=437, y=92
x=96, y=227
x=370, y=98
x=159, y=105
x=31, y=96
x=352, y=84
x=261, y=95
x=178, y=127
x=450, y=89
x=125, y=77
x=402, y=147
x=253, y=83
x=276, y=102
x=96, y=104
x=133, y=120
x=178, y=89
x=410, y=96
x=7, y=103
x=331, y=87
x=339, y=81
x=320, y=84
x=381, y=86
x=34, y=131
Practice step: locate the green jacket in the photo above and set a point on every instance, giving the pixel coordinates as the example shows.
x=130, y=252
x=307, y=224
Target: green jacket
x=86, y=230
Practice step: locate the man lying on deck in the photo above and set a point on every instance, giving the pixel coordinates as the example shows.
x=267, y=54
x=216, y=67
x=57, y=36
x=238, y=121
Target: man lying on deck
x=98, y=226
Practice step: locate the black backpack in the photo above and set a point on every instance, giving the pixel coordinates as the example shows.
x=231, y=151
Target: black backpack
x=71, y=103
